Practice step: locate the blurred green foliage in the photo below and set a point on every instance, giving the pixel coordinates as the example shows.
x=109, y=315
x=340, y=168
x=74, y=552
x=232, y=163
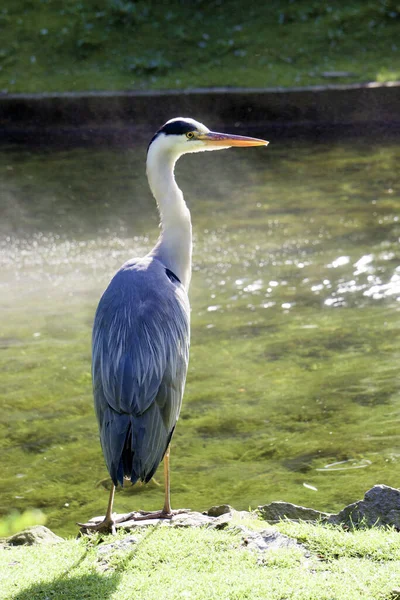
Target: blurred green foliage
x=50, y=45
x=16, y=521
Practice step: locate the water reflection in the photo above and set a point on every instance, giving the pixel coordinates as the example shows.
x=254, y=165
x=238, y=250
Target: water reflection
x=381, y=290
x=346, y=465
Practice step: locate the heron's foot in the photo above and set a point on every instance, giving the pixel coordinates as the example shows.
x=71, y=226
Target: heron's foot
x=163, y=514
x=144, y=515
x=102, y=525
x=110, y=525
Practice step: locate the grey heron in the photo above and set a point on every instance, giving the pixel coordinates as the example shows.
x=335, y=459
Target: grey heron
x=141, y=332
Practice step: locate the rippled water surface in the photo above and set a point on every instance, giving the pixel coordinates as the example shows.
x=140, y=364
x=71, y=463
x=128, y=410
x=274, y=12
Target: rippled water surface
x=293, y=385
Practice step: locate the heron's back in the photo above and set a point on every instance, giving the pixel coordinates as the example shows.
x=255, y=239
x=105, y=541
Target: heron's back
x=140, y=355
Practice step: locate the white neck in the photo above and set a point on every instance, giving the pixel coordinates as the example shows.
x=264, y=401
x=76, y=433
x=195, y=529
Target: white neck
x=174, y=246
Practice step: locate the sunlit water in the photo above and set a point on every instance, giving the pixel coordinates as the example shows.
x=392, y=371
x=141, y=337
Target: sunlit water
x=293, y=386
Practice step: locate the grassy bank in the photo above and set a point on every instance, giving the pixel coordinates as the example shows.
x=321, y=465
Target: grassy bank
x=207, y=564
x=53, y=45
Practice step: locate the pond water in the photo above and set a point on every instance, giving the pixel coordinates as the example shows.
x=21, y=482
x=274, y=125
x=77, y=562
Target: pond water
x=293, y=386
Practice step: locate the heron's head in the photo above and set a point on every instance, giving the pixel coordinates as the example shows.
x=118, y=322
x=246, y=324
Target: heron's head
x=183, y=135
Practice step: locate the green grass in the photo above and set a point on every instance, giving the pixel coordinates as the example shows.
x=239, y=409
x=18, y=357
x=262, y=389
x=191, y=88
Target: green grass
x=207, y=564
x=55, y=45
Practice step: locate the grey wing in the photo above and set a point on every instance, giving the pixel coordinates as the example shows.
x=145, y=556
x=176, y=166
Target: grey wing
x=140, y=358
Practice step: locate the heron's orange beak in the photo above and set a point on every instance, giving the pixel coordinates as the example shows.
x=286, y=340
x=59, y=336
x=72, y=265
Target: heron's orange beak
x=226, y=139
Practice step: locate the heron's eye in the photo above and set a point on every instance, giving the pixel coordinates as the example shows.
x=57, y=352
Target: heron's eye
x=190, y=135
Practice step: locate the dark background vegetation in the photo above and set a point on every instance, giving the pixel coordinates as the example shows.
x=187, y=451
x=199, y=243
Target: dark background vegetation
x=58, y=45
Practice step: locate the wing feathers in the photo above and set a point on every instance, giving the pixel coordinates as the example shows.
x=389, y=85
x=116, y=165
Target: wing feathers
x=140, y=358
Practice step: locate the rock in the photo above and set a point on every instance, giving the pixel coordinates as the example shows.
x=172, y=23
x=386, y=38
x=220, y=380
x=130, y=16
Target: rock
x=380, y=506
x=34, y=535
x=185, y=519
x=220, y=518
x=132, y=524
x=269, y=539
x=276, y=511
x=189, y=519
x=217, y=511
x=220, y=522
x=124, y=544
x=105, y=551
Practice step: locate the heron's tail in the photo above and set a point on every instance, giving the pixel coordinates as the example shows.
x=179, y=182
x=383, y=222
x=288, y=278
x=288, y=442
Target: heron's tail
x=134, y=445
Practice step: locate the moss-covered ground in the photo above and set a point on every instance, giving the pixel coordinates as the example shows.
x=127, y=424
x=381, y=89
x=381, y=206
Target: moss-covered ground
x=203, y=564
x=58, y=45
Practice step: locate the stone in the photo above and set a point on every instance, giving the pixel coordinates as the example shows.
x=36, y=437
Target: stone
x=124, y=544
x=189, y=519
x=105, y=551
x=217, y=511
x=277, y=511
x=269, y=539
x=34, y=535
x=380, y=506
x=184, y=519
x=220, y=518
x=220, y=522
x=132, y=524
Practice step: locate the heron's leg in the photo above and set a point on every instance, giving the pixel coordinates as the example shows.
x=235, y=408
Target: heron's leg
x=107, y=525
x=167, y=501
x=109, y=522
x=166, y=512
x=108, y=516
